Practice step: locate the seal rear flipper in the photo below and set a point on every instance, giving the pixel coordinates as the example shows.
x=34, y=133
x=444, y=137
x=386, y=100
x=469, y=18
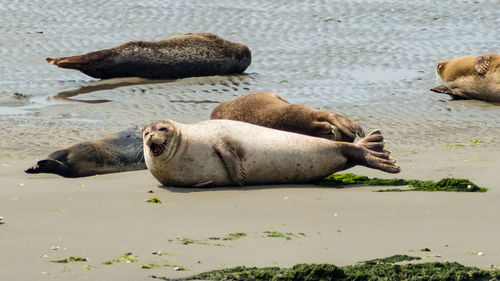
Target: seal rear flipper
x=369, y=152
x=230, y=157
x=51, y=166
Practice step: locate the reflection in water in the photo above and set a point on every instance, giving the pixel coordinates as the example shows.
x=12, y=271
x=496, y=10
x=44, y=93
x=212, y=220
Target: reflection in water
x=101, y=85
x=110, y=84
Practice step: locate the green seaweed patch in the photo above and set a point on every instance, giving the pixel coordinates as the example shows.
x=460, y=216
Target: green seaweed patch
x=392, y=259
x=276, y=234
x=234, y=236
x=71, y=259
x=149, y=266
x=326, y=272
x=153, y=200
x=446, y=184
x=177, y=267
x=127, y=257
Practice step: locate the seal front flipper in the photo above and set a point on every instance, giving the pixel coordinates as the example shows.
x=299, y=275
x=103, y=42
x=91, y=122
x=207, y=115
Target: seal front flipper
x=346, y=126
x=482, y=64
x=230, y=156
x=455, y=94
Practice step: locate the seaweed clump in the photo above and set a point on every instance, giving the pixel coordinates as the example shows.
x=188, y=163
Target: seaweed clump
x=379, y=269
x=446, y=184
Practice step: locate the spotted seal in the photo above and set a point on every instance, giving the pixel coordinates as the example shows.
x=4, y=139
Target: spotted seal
x=273, y=111
x=116, y=153
x=227, y=152
x=189, y=55
x=470, y=77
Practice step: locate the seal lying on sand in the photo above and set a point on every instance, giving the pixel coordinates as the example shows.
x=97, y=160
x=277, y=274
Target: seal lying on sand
x=270, y=110
x=189, y=55
x=471, y=77
x=227, y=152
x=117, y=153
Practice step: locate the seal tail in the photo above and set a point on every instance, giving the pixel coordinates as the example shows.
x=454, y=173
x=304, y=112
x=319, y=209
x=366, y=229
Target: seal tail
x=69, y=62
x=374, y=154
x=50, y=166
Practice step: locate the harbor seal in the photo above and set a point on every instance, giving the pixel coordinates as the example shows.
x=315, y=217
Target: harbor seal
x=189, y=55
x=116, y=153
x=470, y=77
x=227, y=152
x=273, y=111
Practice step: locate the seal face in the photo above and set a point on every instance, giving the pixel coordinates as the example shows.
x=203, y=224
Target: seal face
x=470, y=77
x=227, y=152
x=116, y=153
x=273, y=111
x=189, y=55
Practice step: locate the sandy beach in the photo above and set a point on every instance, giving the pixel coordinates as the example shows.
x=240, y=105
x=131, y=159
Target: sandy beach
x=372, y=61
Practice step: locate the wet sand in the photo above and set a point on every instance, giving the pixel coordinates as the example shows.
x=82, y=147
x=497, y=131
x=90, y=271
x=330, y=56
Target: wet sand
x=372, y=61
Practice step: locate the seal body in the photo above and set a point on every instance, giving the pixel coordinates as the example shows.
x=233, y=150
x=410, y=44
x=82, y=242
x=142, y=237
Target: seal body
x=470, y=77
x=273, y=111
x=227, y=152
x=192, y=54
x=116, y=153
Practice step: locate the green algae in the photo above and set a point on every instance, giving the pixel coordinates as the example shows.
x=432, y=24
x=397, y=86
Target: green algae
x=446, y=184
x=392, y=259
x=70, y=259
x=234, y=236
x=365, y=271
x=276, y=234
x=127, y=257
x=154, y=200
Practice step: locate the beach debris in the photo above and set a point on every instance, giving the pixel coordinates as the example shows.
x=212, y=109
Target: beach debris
x=21, y=184
x=55, y=248
x=70, y=259
x=158, y=253
x=1, y=219
x=153, y=200
x=475, y=253
x=150, y=191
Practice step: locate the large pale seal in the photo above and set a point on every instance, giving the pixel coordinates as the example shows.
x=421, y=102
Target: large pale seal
x=189, y=55
x=273, y=111
x=227, y=152
x=116, y=153
x=471, y=77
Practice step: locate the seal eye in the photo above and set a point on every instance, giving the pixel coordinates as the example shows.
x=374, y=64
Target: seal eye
x=163, y=129
x=146, y=133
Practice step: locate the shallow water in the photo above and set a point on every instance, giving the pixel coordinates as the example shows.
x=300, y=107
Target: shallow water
x=373, y=61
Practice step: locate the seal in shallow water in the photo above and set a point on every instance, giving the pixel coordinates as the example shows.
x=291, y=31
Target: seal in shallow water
x=227, y=152
x=189, y=55
x=471, y=77
x=117, y=153
x=271, y=110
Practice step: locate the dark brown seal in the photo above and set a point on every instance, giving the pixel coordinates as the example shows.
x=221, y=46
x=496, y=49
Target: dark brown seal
x=116, y=153
x=271, y=110
x=470, y=77
x=227, y=152
x=189, y=55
